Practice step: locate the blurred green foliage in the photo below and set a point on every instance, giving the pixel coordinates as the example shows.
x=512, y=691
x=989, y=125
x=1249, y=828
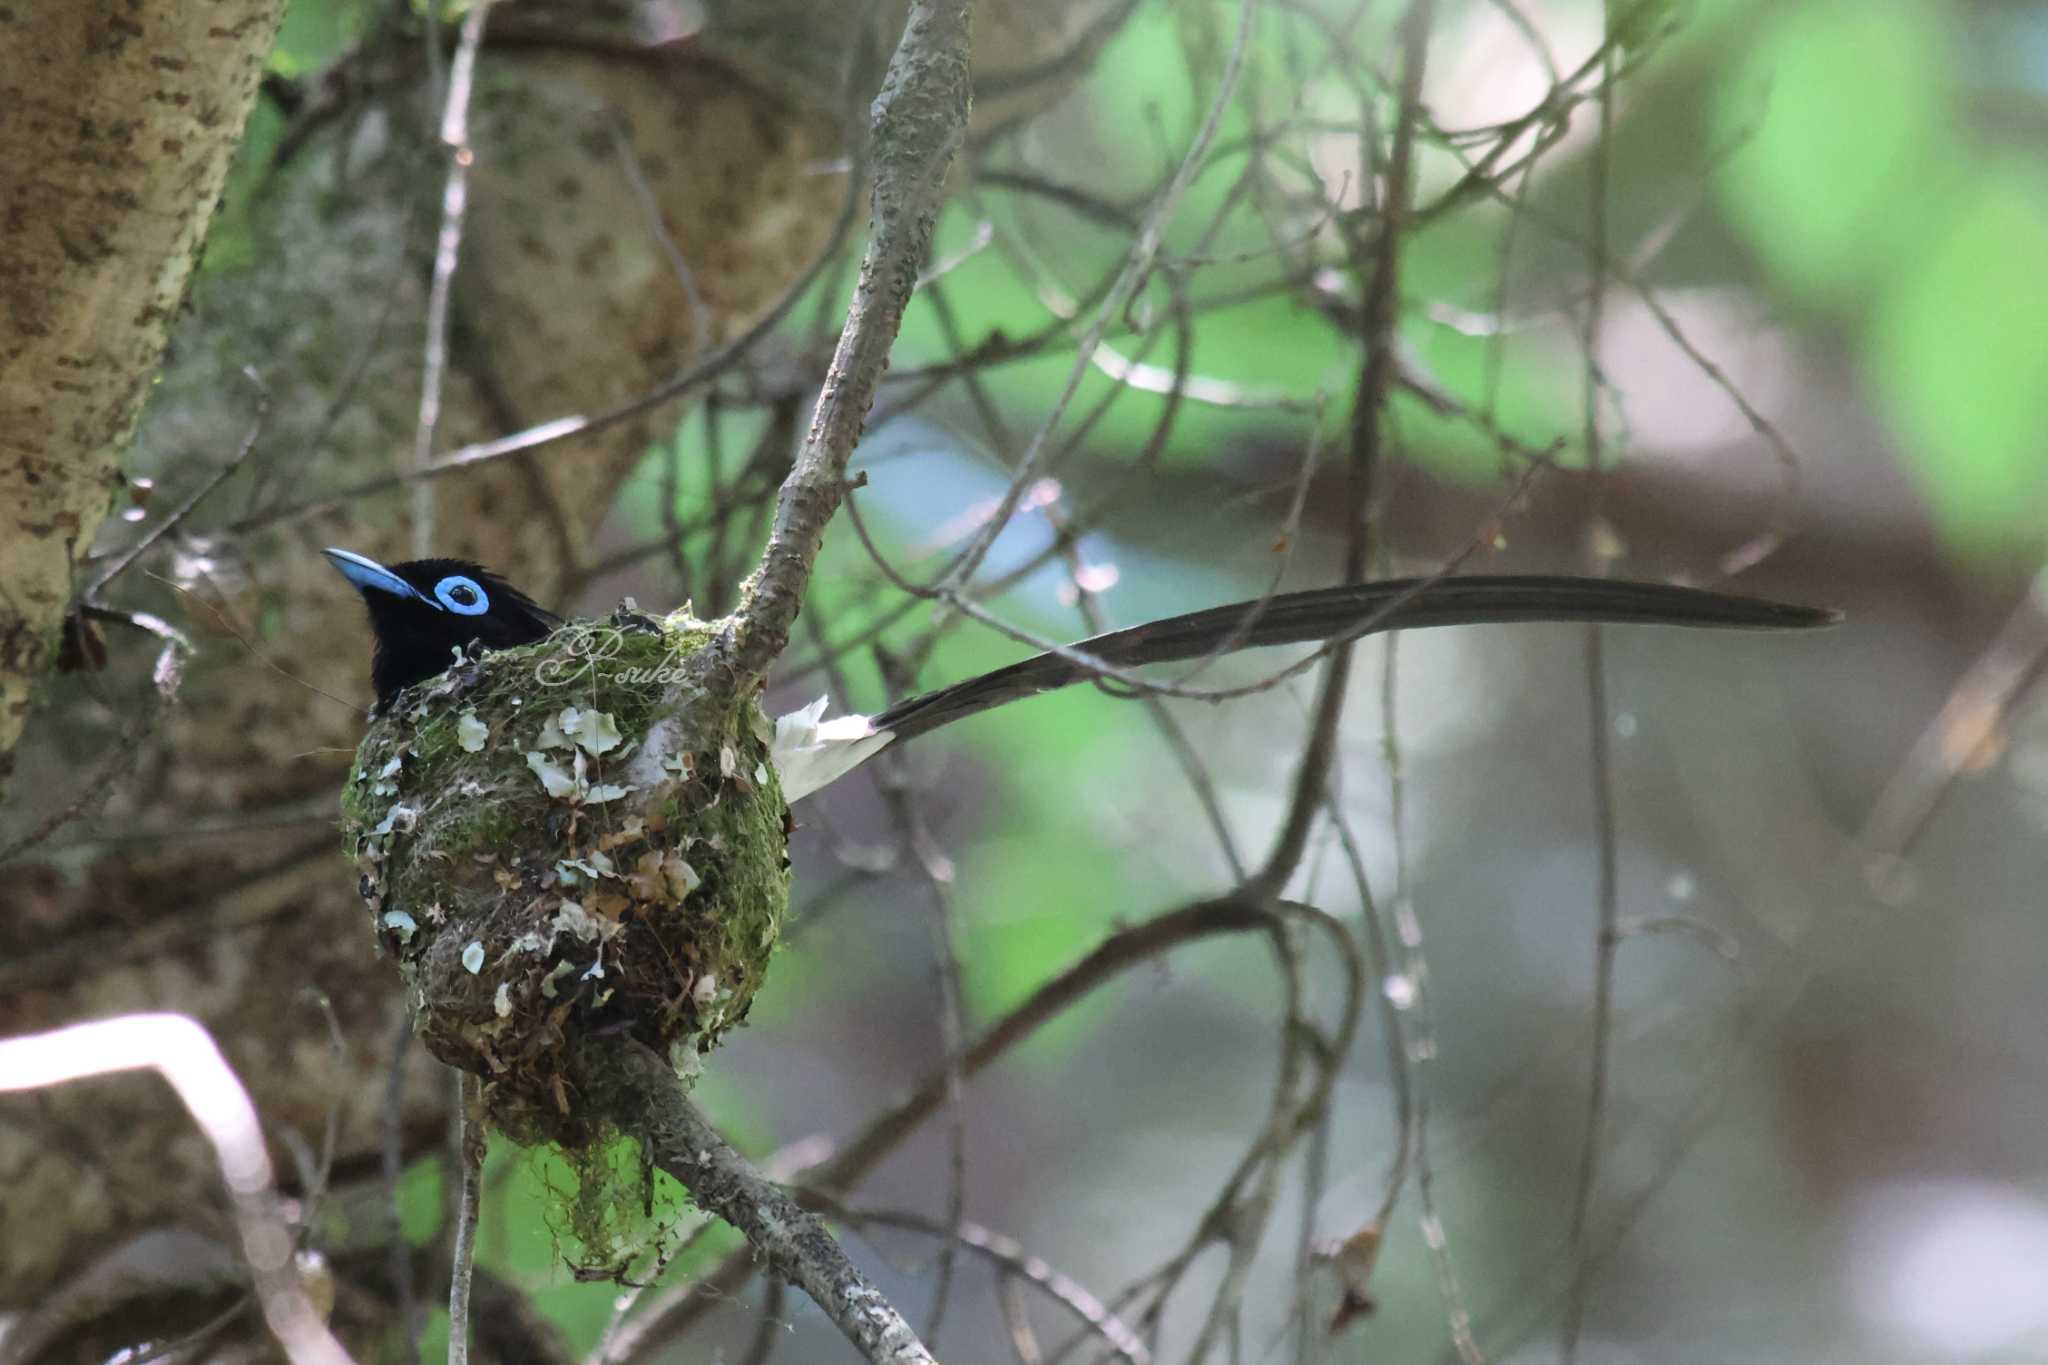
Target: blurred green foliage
x=523, y=1234
x=1865, y=187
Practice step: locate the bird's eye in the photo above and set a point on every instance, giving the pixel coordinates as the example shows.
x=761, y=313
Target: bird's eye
x=462, y=595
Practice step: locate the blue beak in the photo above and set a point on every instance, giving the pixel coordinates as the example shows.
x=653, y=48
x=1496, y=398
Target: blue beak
x=368, y=574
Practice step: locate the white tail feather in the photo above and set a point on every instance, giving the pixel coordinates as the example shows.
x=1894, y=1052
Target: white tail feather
x=811, y=752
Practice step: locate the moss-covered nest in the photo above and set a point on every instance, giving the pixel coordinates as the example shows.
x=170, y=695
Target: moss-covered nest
x=569, y=839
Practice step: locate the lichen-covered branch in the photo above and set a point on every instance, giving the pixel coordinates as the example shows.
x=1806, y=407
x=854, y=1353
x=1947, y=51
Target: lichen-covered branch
x=796, y=1243
x=121, y=121
x=917, y=123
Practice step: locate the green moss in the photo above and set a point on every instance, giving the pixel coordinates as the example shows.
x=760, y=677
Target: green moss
x=577, y=835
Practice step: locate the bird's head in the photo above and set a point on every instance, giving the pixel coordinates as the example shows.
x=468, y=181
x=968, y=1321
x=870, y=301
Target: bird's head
x=425, y=610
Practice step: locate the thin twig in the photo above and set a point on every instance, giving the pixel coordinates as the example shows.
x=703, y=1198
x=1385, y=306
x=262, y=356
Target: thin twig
x=127, y=747
x=1607, y=908
x=1010, y=1256
x=391, y=1157
x=626, y=1338
x=474, y=1140
x=1421, y=1048
x=770, y=1327
x=1967, y=732
x=621, y=134
x=558, y=429
x=1137, y=264
x=127, y=557
x=915, y=839
x=1368, y=441
x=900, y=796
x=321, y=1172
x=1123, y=951
x=447, y=252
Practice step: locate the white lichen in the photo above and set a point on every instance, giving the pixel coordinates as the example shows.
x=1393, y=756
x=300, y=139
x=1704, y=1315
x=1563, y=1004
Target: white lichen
x=573, y=784
x=594, y=732
x=591, y=866
x=381, y=784
x=401, y=819
x=574, y=920
x=598, y=734
x=558, y=780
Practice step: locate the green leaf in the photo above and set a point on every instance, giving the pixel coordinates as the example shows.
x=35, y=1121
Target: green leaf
x=1842, y=140
x=1957, y=355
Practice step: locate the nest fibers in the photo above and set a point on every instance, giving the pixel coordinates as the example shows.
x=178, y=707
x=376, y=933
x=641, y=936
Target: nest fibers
x=567, y=839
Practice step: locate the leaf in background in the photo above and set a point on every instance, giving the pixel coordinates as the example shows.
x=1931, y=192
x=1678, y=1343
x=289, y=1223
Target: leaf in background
x=1842, y=144
x=1958, y=354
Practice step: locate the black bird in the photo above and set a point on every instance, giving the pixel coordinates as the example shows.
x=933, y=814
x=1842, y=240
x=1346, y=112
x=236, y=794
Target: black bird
x=424, y=611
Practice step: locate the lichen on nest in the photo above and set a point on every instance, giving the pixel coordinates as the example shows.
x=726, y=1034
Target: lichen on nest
x=572, y=839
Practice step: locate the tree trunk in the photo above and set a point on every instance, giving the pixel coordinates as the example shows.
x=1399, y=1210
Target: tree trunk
x=117, y=124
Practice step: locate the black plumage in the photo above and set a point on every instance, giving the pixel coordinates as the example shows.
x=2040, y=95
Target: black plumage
x=1362, y=609
x=425, y=612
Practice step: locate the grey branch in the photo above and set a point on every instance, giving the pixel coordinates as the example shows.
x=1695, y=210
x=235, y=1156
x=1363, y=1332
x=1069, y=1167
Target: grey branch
x=916, y=125
x=682, y=1142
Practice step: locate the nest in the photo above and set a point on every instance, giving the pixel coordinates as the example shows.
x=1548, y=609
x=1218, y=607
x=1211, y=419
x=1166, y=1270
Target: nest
x=568, y=840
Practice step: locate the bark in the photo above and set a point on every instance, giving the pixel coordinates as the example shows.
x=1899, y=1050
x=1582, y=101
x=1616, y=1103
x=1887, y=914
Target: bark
x=920, y=119
x=793, y=1240
x=117, y=125
x=226, y=896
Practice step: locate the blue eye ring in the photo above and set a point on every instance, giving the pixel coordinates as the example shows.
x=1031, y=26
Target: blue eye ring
x=462, y=595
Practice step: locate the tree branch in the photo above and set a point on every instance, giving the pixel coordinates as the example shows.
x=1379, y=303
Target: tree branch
x=1368, y=437
x=1116, y=954
x=916, y=124
x=682, y=1142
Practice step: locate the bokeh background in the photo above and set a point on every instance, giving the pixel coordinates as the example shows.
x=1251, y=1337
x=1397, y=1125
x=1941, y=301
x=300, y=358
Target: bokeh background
x=1825, y=1133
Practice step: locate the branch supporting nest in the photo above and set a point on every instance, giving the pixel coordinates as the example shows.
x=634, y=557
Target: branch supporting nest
x=917, y=123
x=682, y=1142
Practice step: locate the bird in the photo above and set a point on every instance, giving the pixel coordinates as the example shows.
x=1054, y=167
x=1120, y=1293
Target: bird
x=427, y=613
